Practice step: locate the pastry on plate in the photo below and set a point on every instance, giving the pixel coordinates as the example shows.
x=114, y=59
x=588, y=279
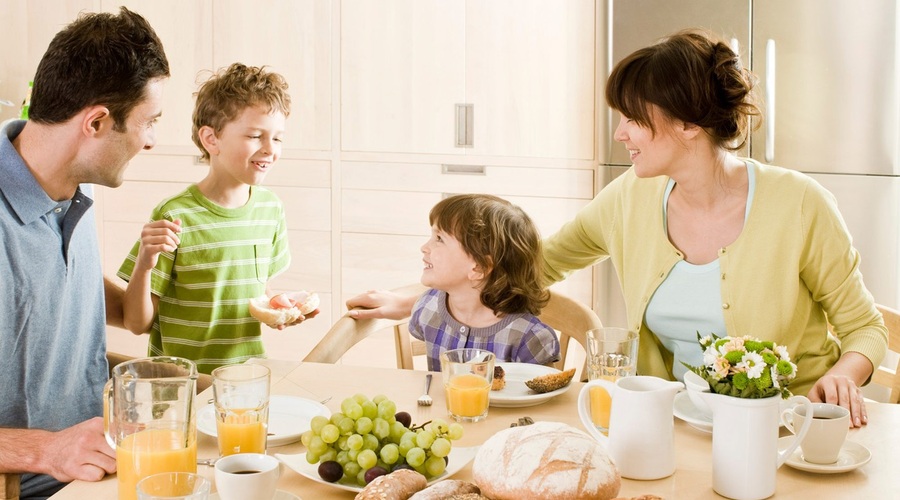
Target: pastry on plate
x=551, y=381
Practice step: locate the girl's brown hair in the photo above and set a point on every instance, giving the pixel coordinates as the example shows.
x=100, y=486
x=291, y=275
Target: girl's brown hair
x=503, y=242
x=691, y=77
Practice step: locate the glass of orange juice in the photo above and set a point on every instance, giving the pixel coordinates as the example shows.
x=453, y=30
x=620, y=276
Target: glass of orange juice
x=241, y=398
x=467, y=375
x=611, y=355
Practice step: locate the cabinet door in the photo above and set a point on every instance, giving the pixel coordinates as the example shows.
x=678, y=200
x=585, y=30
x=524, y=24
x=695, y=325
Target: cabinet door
x=402, y=73
x=292, y=38
x=530, y=76
x=186, y=38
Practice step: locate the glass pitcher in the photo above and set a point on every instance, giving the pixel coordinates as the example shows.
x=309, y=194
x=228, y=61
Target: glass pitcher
x=150, y=419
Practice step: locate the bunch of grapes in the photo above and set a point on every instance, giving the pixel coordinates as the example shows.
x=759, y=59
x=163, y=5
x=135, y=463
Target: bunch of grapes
x=369, y=438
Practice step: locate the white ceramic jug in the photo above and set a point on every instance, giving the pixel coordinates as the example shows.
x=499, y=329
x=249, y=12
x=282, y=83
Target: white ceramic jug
x=745, y=443
x=641, y=429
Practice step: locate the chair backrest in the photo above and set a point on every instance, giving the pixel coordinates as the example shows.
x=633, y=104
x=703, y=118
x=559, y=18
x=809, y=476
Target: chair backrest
x=890, y=376
x=347, y=332
x=9, y=486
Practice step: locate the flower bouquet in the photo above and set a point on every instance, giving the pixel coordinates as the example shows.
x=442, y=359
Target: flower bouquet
x=745, y=367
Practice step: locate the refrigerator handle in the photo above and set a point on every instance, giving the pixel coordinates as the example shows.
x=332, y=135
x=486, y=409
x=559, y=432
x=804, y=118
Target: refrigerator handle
x=770, y=101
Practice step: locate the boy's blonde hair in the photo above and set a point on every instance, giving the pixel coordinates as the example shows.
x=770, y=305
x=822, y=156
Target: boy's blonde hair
x=503, y=242
x=230, y=91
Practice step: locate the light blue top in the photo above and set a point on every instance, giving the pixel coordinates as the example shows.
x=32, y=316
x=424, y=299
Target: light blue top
x=52, y=313
x=688, y=301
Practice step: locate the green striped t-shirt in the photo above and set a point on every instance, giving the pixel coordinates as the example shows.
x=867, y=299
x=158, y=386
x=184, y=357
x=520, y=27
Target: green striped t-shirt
x=226, y=256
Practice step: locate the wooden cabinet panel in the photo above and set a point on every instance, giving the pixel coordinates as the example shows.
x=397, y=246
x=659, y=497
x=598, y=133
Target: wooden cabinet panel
x=292, y=38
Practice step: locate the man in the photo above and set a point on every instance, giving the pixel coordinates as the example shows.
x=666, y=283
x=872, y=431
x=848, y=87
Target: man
x=96, y=97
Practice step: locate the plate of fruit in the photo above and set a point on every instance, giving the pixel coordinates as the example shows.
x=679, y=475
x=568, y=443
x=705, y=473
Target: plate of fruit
x=369, y=438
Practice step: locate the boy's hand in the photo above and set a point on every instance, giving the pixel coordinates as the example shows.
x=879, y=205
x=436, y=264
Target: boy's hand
x=157, y=237
x=299, y=320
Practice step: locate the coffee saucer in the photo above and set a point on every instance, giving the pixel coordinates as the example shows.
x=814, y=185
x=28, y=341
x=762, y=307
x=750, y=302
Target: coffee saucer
x=279, y=495
x=851, y=456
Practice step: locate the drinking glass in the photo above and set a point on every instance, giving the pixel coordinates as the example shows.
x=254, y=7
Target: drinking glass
x=241, y=398
x=173, y=486
x=467, y=375
x=611, y=355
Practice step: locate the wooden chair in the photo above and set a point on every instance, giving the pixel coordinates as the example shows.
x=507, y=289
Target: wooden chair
x=885, y=376
x=9, y=482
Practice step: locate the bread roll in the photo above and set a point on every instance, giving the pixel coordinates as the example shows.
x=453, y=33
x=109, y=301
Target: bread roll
x=447, y=488
x=398, y=485
x=293, y=306
x=544, y=460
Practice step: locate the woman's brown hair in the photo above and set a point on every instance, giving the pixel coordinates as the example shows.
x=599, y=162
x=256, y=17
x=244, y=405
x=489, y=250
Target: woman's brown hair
x=691, y=77
x=503, y=242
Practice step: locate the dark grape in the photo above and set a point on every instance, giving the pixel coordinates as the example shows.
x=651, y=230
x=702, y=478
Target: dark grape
x=330, y=471
x=404, y=418
x=402, y=466
x=373, y=473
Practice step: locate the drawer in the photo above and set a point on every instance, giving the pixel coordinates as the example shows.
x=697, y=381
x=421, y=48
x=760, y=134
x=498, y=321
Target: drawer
x=497, y=180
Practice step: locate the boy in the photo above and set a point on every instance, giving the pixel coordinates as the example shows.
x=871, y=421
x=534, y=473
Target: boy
x=210, y=249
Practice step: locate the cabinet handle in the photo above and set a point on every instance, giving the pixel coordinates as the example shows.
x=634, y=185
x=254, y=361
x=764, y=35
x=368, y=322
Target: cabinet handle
x=465, y=121
x=464, y=169
x=770, y=101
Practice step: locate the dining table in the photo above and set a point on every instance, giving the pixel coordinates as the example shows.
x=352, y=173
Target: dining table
x=332, y=383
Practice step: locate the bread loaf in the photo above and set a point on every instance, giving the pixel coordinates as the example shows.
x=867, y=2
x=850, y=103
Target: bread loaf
x=544, y=460
x=447, y=488
x=398, y=485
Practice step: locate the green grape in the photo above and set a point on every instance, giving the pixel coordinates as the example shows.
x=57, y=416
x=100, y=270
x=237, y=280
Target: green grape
x=311, y=457
x=346, y=425
x=406, y=445
x=353, y=411
x=455, y=432
x=369, y=409
x=434, y=466
x=330, y=433
x=415, y=457
x=364, y=425
x=371, y=442
x=361, y=478
x=367, y=459
x=355, y=442
x=305, y=437
x=381, y=428
x=439, y=426
x=360, y=398
x=424, y=439
x=329, y=455
x=317, y=423
x=317, y=446
x=440, y=447
x=341, y=443
x=336, y=417
x=351, y=469
x=379, y=398
x=397, y=431
x=390, y=453
x=342, y=458
x=387, y=409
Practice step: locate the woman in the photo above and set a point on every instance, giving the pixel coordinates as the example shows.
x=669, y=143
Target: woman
x=704, y=241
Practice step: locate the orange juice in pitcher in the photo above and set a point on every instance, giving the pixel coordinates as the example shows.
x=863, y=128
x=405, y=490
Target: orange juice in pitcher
x=149, y=452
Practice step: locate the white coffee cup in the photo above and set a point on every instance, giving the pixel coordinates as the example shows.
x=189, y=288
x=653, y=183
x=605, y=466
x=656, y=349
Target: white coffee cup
x=823, y=442
x=247, y=475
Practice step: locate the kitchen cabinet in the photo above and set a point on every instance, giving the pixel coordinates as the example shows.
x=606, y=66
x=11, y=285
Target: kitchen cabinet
x=526, y=68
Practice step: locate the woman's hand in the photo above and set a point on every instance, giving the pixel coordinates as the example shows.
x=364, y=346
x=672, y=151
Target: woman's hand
x=840, y=386
x=381, y=304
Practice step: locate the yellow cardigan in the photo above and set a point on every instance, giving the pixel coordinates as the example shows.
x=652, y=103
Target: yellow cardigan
x=792, y=266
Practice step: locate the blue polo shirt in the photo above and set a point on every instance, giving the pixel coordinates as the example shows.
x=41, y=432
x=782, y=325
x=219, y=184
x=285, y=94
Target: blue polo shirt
x=52, y=310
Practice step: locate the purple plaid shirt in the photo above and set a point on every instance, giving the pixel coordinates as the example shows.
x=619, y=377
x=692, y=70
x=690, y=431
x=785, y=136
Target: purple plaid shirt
x=521, y=338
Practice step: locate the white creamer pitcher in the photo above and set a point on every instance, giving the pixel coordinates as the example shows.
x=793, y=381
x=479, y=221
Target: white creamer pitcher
x=641, y=429
x=745, y=443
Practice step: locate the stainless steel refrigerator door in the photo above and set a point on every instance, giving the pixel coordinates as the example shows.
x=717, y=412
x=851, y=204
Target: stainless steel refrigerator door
x=637, y=23
x=829, y=70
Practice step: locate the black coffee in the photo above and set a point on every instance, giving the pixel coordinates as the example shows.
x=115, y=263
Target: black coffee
x=246, y=472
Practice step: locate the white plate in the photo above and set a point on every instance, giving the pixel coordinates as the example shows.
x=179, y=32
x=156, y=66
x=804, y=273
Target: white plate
x=516, y=394
x=685, y=410
x=289, y=418
x=458, y=459
x=279, y=495
x=851, y=456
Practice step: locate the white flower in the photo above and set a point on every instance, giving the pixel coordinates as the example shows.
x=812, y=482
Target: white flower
x=710, y=355
x=782, y=352
x=753, y=364
x=773, y=371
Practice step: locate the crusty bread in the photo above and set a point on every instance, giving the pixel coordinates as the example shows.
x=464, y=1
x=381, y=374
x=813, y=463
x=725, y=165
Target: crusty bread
x=398, y=485
x=499, y=381
x=261, y=308
x=544, y=460
x=551, y=381
x=447, y=488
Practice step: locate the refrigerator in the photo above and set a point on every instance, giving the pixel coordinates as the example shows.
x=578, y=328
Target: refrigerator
x=828, y=72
